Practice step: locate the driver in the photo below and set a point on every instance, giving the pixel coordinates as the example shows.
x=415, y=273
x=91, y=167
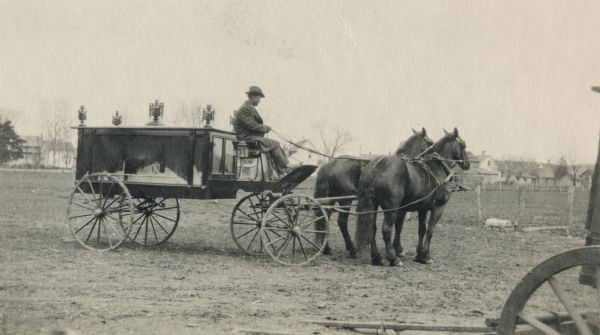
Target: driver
x=249, y=126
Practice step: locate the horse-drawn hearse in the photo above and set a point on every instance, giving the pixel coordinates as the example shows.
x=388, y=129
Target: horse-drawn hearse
x=129, y=181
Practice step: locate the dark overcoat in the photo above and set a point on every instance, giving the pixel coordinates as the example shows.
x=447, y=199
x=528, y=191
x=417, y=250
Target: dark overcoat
x=249, y=126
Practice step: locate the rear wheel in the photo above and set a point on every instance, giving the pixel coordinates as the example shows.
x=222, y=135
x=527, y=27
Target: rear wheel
x=100, y=212
x=293, y=231
x=155, y=220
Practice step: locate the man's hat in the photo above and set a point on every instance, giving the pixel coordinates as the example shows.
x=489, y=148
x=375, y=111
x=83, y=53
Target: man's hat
x=255, y=90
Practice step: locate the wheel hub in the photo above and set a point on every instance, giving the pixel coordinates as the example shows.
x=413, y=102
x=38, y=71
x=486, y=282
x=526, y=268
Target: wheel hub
x=98, y=212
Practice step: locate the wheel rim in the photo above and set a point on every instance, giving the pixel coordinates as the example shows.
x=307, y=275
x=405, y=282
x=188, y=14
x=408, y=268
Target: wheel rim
x=99, y=213
x=294, y=230
x=246, y=220
x=155, y=220
x=518, y=310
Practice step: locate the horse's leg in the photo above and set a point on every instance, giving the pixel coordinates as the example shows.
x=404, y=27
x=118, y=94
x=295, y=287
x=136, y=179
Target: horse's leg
x=343, y=224
x=399, y=224
x=386, y=232
x=321, y=224
x=422, y=232
x=375, y=256
x=436, y=214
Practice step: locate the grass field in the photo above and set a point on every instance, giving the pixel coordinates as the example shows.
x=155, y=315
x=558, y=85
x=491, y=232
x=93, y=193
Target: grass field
x=200, y=283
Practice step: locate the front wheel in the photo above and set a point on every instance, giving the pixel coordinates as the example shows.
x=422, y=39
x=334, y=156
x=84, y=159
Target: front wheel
x=294, y=230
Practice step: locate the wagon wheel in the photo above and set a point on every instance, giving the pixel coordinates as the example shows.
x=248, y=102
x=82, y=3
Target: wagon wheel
x=155, y=220
x=294, y=230
x=246, y=220
x=556, y=271
x=100, y=212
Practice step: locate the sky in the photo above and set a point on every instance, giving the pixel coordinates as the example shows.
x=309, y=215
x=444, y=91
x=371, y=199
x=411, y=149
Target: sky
x=513, y=76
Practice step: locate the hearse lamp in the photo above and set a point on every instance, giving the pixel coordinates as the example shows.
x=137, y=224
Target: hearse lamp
x=82, y=116
x=117, y=118
x=208, y=115
x=156, y=113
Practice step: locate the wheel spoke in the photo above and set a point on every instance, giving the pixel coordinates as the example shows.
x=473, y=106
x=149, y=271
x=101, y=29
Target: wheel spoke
x=92, y=188
x=246, y=233
x=282, y=220
x=581, y=325
x=107, y=237
x=311, y=242
x=313, y=221
x=307, y=215
x=248, y=215
x=597, y=276
x=163, y=209
x=87, y=223
x=82, y=206
x=153, y=228
x=244, y=223
x=140, y=228
x=537, y=324
x=161, y=226
x=91, y=231
x=164, y=217
x=271, y=242
x=114, y=229
x=253, y=238
x=287, y=241
x=107, y=195
x=80, y=216
x=113, y=201
x=85, y=195
x=302, y=248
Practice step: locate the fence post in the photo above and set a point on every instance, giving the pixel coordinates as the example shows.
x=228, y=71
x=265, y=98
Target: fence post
x=521, y=204
x=570, y=200
x=592, y=223
x=479, y=202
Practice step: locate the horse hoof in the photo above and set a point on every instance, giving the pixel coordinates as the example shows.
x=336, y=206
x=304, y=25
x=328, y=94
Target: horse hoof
x=377, y=262
x=352, y=254
x=423, y=261
x=396, y=262
x=327, y=251
x=401, y=254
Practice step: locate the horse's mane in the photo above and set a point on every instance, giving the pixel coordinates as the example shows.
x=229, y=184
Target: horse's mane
x=436, y=146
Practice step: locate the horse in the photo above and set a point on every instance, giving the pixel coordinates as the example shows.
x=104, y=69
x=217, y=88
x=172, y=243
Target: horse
x=399, y=186
x=340, y=177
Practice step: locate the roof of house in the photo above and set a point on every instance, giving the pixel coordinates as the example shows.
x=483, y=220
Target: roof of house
x=545, y=171
x=480, y=172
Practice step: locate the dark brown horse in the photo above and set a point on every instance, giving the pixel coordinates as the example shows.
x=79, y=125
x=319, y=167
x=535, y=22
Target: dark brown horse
x=420, y=185
x=340, y=177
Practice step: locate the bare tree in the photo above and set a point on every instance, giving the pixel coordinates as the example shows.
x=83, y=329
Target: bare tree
x=517, y=166
x=333, y=140
x=574, y=171
x=188, y=114
x=56, y=129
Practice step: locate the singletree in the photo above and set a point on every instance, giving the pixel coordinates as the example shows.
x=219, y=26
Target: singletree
x=10, y=143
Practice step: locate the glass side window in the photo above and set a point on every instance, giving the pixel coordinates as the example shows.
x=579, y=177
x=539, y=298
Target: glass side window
x=217, y=155
x=229, y=157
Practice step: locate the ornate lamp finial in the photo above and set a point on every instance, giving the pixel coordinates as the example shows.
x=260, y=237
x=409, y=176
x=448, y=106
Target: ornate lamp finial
x=156, y=113
x=82, y=116
x=208, y=115
x=117, y=118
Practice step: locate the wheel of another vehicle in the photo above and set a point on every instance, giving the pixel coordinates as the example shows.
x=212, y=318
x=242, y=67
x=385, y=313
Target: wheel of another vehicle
x=155, y=220
x=246, y=220
x=563, y=306
x=294, y=230
x=100, y=212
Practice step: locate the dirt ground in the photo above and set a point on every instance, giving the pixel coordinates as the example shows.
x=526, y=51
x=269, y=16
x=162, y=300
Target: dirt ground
x=200, y=283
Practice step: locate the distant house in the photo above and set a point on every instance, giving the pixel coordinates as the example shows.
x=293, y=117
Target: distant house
x=545, y=175
x=583, y=178
x=40, y=153
x=484, y=170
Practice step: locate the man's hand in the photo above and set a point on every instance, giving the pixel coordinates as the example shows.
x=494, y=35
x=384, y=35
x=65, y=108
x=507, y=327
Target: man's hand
x=267, y=129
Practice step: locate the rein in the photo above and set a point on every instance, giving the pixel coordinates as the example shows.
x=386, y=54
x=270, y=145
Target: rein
x=439, y=185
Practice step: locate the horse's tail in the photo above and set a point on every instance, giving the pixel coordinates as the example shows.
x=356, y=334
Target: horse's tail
x=366, y=222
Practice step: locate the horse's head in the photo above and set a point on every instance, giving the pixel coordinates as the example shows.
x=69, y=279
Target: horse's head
x=452, y=147
x=415, y=144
